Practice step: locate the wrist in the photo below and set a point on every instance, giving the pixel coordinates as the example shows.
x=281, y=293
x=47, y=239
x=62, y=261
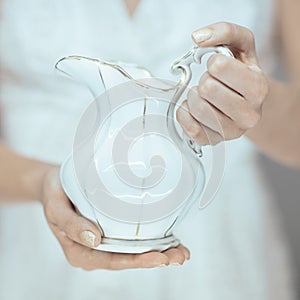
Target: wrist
x=21, y=178
x=33, y=179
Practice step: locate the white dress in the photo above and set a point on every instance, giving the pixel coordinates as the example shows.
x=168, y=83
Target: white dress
x=236, y=245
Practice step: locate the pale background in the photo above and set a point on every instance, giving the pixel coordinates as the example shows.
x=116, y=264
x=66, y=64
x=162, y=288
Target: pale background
x=285, y=183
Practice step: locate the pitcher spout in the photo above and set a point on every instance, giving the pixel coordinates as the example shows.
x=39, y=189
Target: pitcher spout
x=85, y=71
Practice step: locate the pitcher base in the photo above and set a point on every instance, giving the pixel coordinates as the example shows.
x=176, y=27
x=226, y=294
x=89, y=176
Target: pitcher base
x=137, y=246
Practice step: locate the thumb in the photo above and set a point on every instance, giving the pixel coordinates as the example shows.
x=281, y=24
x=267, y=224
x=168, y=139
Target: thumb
x=76, y=227
x=82, y=231
x=238, y=39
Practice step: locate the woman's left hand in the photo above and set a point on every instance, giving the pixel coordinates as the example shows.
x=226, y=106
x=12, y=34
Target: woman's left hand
x=229, y=97
x=78, y=235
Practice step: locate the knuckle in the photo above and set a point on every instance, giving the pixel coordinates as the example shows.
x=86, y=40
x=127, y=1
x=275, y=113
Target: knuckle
x=198, y=112
x=200, y=136
x=252, y=120
x=218, y=63
x=180, y=260
x=250, y=36
x=193, y=129
x=228, y=28
x=234, y=134
x=203, y=78
x=201, y=108
x=201, y=139
x=190, y=129
x=206, y=87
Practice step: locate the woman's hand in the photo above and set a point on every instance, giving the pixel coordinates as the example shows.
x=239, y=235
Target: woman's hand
x=78, y=235
x=229, y=97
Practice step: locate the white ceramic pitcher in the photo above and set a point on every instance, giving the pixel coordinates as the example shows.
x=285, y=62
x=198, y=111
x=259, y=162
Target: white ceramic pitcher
x=132, y=171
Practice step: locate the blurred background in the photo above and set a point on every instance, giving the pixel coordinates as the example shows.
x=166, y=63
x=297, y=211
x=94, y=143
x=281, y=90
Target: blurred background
x=285, y=186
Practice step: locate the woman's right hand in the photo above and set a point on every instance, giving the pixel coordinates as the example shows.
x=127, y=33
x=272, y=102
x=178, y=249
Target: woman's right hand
x=227, y=103
x=78, y=235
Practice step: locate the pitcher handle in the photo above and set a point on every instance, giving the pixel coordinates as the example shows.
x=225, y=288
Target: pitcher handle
x=183, y=65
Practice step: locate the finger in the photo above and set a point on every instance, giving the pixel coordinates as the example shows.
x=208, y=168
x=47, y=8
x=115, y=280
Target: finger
x=210, y=116
x=238, y=38
x=235, y=75
x=61, y=236
x=185, y=251
x=227, y=101
x=146, y=260
x=76, y=227
x=89, y=259
x=195, y=130
x=151, y=259
x=175, y=256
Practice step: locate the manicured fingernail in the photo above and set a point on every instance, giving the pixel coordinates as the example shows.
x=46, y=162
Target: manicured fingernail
x=175, y=264
x=88, y=238
x=202, y=35
x=161, y=266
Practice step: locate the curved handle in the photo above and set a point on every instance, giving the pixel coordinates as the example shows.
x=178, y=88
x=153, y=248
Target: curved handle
x=183, y=65
x=195, y=55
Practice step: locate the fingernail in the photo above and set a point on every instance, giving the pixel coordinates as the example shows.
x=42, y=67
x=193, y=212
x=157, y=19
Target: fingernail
x=202, y=35
x=161, y=266
x=88, y=238
x=175, y=264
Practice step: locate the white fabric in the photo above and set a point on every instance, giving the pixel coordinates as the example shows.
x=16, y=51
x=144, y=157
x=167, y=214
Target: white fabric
x=237, y=248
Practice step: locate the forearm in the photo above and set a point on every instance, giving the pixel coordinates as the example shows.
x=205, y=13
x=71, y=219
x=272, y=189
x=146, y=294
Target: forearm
x=21, y=178
x=278, y=132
